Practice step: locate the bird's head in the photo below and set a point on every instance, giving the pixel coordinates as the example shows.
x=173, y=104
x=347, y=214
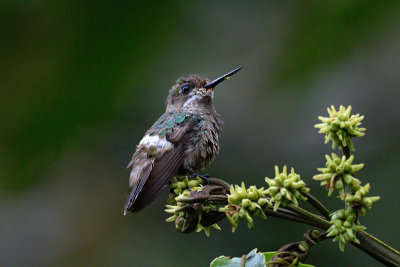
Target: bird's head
x=194, y=94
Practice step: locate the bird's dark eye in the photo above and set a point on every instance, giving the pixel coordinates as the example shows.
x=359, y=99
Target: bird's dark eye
x=186, y=88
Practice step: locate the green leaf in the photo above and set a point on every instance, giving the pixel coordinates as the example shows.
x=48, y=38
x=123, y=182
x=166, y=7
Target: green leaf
x=253, y=259
x=268, y=255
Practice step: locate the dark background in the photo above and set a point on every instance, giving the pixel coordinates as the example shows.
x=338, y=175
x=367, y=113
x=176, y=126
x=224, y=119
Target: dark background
x=81, y=81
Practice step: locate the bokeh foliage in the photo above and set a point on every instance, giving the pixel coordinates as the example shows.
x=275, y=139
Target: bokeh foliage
x=81, y=81
x=64, y=64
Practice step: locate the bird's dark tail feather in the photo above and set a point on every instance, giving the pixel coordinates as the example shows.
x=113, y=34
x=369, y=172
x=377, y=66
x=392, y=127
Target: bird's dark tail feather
x=137, y=188
x=162, y=170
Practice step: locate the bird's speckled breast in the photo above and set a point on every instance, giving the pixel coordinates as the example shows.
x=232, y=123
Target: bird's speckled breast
x=203, y=144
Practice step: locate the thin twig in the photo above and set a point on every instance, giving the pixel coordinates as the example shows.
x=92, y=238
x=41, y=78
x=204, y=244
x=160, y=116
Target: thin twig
x=317, y=205
x=346, y=151
x=347, y=187
x=321, y=223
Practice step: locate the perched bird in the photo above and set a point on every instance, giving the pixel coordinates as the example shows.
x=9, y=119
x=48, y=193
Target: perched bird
x=182, y=141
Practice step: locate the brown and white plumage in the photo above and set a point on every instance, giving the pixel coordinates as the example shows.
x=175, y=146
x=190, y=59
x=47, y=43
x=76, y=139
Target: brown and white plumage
x=182, y=141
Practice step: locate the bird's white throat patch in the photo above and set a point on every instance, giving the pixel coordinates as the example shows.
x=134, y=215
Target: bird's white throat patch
x=190, y=102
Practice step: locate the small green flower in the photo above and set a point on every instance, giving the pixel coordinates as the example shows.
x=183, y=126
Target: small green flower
x=244, y=205
x=338, y=173
x=344, y=227
x=340, y=127
x=286, y=189
x=188, y=214
x=359, y=200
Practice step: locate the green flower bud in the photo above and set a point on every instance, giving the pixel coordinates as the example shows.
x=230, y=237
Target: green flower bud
x=246, y=202
x=171, y=219
x=248, y=217
x=262, y=201
x=346, y=224
x=303, y=246
x=193, y=183
x=232, y=199
x=350, y=233
x=182, y=184
x=325, y=176
x=315, y=234
x=216, y=226
x=276, y=205
x=357, y=167
x=341, y=245
x=235, y=217
x=253, y=206
x=347, y=178
x=242, y=213
x=253, y=196
x=333, y=232
x=232, y=221
x=339, y=184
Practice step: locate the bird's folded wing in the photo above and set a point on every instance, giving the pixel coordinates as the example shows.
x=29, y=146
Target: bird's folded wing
x=164, y=168
x=179, y=132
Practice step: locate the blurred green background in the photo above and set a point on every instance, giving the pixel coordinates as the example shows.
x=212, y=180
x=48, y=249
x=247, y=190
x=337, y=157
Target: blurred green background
x=81, y=81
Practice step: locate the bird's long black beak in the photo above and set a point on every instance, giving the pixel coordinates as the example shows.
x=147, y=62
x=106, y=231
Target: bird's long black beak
x=222, y=78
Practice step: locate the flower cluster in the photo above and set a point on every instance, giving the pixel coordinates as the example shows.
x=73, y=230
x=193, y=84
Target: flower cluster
x=286, y=189
x=340, y=127
x=245, y=204
x=179, y=185
x=344, y=227
x=338, y=173
x=194, y=205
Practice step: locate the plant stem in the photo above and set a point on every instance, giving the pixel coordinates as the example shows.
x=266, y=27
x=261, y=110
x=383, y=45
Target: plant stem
x=312, y=241
x=347, y=187
x=368, y=243
x=346, y=151
x=285, y=216
x=220, y=182
x=317, y=205
x=377, y=249
x=320, y=222
x=289, y=216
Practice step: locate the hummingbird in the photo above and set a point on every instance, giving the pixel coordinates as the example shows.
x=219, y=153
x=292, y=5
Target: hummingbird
x=183, y=141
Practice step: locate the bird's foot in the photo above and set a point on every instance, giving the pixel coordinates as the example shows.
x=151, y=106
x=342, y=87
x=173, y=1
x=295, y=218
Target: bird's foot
x=204, y=177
